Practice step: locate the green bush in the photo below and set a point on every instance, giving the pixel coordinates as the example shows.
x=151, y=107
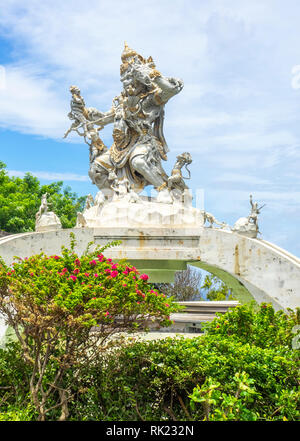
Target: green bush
x=212, y=377
x=261, y=326
x=243, y=368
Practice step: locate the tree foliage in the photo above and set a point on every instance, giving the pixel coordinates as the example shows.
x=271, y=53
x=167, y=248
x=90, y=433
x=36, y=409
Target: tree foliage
x=20, y=199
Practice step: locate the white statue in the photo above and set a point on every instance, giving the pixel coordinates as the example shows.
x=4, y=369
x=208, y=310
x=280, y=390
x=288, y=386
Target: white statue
x=46, y=220
x=208, y=217
x=249, y=225
x=137, y=114
x=134, y=160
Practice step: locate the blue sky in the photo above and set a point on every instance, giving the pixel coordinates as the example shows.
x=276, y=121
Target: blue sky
x=238, y=114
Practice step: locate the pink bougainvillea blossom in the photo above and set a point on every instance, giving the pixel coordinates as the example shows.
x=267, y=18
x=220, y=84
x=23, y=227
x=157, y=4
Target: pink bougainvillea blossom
x=114, y=273
x=144, y=277
x=77, y=262
x=93, y=262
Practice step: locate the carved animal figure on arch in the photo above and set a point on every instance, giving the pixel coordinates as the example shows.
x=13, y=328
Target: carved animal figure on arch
x=137, y=115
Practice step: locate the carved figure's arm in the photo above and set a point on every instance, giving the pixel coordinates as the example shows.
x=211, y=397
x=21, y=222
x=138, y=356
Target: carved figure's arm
x=168, y=87
x=101, y=118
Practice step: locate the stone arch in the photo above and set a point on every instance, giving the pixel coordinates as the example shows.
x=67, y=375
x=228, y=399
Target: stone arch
x=268, y=272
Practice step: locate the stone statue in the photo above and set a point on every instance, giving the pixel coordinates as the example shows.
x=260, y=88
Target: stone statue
x=89, y=202
x=134, y=160
x=208, y=217
x=43, y=207
x=249, y=225
x=137, y=115
x=46, y=220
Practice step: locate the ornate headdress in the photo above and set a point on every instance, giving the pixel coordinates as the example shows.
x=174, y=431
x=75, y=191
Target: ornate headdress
x=127, y=55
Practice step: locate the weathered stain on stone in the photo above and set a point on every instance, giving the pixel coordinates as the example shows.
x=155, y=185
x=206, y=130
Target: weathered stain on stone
x=141, y=240
x=236, y=261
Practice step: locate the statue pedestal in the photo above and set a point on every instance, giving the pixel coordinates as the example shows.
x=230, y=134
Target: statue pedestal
x=47, y=222
x=245, y=228
x=124, y=214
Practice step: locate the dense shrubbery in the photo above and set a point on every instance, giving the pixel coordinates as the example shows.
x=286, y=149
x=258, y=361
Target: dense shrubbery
x=241, y=369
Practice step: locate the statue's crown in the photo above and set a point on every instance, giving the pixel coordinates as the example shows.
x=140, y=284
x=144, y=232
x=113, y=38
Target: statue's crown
x=128, y=53
x=127, y=56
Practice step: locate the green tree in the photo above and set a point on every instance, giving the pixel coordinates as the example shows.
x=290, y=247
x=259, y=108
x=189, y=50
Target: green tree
x=188, y=286
x=215, y=289
x=20, y=199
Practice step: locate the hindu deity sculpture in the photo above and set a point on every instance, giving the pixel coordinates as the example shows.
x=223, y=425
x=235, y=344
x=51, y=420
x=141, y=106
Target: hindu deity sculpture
x=137, y=115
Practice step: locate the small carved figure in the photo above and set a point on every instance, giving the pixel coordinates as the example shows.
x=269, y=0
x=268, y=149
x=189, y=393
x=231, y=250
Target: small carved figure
x=176, y=180
x=80, y=221
x=44, y=219
x=78, y=111
x=89, y=202
x=43, y=207
x=255, y=211
x=249, y=225
x=208, y=217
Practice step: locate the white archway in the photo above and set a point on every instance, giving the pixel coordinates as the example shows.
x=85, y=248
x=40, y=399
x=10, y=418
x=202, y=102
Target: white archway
x=268, y=272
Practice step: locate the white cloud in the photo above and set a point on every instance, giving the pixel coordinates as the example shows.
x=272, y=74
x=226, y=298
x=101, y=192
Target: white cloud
x=238, y=113
x=28, y=103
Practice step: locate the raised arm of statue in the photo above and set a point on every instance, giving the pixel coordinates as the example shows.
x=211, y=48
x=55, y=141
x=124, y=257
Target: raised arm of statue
x=100, y=118
x=168, y=87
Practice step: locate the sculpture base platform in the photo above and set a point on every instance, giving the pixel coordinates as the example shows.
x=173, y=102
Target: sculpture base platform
x=47, y=222
x=122, y=214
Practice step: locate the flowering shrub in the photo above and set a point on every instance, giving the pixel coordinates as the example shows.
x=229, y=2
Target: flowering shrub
x=53, y=302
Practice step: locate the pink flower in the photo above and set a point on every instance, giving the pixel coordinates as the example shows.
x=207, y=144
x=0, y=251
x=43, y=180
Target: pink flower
x=167, y=305
x=124, y=284
x=87, y=274
x=107, y=270
x=64, y=270
x=56, y=257
x=144, y=277
x=106, y=314
x=114, y=266
x=125, y=272
x=114, y=273
x=96, y=275
x=76, y=271
x=93, y=262
x=77, y=262
x=32, y=274
x=109, y=260
x=73, y=277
